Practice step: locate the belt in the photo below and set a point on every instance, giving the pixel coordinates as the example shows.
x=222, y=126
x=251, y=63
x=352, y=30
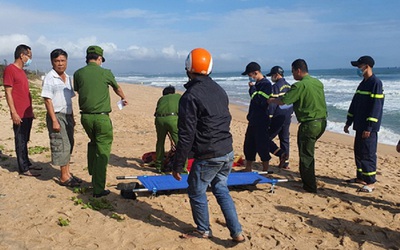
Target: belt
x=164, y=115
x=315, y=120
x=98, y=113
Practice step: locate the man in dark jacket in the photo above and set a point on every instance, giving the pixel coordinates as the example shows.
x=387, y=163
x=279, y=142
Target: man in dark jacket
x=365, y=113
x=281, y=117
x=257, y=138
x=203, y=127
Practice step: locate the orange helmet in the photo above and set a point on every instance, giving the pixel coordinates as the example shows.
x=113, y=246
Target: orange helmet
x=199, y=61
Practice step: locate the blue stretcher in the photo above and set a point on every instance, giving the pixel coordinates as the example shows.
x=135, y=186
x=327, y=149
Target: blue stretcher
x=157, y=183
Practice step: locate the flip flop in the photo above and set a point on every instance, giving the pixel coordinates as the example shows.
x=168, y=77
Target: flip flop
x=366, y=189
x=28, y=173
x=196, y=234
x=77, y=179
x=355, y=180
x=35, y=168
x=69, y=183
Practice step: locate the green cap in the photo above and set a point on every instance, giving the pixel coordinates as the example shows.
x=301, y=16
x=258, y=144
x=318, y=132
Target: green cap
x=95, y=50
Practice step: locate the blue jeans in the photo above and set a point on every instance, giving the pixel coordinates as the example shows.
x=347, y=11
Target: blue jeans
x=212, y=171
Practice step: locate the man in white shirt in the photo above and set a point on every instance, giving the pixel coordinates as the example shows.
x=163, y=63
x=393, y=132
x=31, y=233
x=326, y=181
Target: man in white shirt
x=57, y=92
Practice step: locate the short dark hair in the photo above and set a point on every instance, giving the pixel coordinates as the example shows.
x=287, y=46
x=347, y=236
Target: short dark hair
x=58, y=52
x=168, y=90
x=300, y=64
x=21, y=49
x=91, y=56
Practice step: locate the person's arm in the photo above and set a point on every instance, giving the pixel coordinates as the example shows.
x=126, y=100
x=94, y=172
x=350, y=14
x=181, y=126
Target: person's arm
x=50, y=111
x=187, y=122
x=10, y=101
x=121, y=94
x=276, y=101
x=376, y=111
x=398, y=147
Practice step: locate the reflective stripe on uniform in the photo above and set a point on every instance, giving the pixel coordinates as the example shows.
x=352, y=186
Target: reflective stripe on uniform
x=365, y=173
x=377, y=96
x=260, y=93
x=372, y=119
x=369, y=174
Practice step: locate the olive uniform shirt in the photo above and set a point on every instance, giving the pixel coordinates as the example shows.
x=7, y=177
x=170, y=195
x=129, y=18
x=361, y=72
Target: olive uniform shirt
x=308, y=99
x=91, y=82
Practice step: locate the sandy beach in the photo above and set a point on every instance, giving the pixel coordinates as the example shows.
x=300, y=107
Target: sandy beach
x=338, y=217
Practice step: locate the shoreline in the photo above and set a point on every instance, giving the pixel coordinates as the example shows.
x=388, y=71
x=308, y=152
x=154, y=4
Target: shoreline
x=241, y=111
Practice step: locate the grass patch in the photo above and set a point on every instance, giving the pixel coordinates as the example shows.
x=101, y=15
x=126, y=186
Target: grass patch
x=117, y=217
x=95, y=204
x=37, y=150
x=80, y=190
x=63, y=222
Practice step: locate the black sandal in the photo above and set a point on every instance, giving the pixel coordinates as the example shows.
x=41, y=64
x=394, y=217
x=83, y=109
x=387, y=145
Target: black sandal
x=71, y=182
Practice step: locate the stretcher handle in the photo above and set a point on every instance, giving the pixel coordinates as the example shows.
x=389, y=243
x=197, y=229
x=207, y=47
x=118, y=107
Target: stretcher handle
x=126, y=177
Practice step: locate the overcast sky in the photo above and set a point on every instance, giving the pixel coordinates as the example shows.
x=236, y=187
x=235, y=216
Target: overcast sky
x=155, y=36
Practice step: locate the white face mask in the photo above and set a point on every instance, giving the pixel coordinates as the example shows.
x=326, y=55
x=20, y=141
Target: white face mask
x=27, y=63
x=360, y=72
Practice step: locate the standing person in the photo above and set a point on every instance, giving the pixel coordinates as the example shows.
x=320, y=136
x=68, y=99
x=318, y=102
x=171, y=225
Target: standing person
x=398, y=147
x=281, y=117
x=308, y=98
x=92, y=83
x=57, y=93
x=19, y=100
x=166, y=121
x=203, y=126
x=365, y=113
x=257, y=137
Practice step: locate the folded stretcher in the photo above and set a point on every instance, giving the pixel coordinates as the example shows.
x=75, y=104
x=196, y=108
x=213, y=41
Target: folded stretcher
x=157, y=183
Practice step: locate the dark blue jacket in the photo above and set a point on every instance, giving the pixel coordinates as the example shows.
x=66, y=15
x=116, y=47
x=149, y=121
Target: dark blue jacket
x=203, y=122
x=258, y=110
x=278, y=90
x=365, y=112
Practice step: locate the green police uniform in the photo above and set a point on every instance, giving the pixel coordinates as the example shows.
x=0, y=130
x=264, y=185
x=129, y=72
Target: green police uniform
x=309, y=104
x=92, y=84
x=166, y=121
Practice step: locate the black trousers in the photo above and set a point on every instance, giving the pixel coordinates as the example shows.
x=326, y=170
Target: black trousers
x=22, y=134
x=365, y=156
x=256, y=141
x=280, y=127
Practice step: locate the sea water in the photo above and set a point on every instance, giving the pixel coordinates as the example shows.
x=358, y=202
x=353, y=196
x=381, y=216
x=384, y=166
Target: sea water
x=339, y=85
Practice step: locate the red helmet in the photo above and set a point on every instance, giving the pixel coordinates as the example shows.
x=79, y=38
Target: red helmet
x=199, y=61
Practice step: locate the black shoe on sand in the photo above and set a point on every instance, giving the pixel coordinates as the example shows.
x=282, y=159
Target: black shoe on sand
x=104, y=193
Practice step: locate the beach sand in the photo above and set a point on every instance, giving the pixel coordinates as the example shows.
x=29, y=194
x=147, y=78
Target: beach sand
x=338, y=217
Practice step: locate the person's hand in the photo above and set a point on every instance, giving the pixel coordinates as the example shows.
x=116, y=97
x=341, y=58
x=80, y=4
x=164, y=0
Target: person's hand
x=252, y=84
x=124, y=102
x=346, y=129
x=176, y=175
x=270, y=100
x=398, y=147
x=16, y=119
x=56, y=126
x=365, y=134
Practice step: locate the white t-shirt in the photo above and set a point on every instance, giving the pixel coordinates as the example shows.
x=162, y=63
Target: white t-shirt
x=59, y=92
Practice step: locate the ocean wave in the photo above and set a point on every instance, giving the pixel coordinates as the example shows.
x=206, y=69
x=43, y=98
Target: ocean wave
x=385, y=136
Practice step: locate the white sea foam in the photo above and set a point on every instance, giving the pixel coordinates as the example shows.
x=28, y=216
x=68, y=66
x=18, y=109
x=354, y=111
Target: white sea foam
x=339, y=86
x=385, y=136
